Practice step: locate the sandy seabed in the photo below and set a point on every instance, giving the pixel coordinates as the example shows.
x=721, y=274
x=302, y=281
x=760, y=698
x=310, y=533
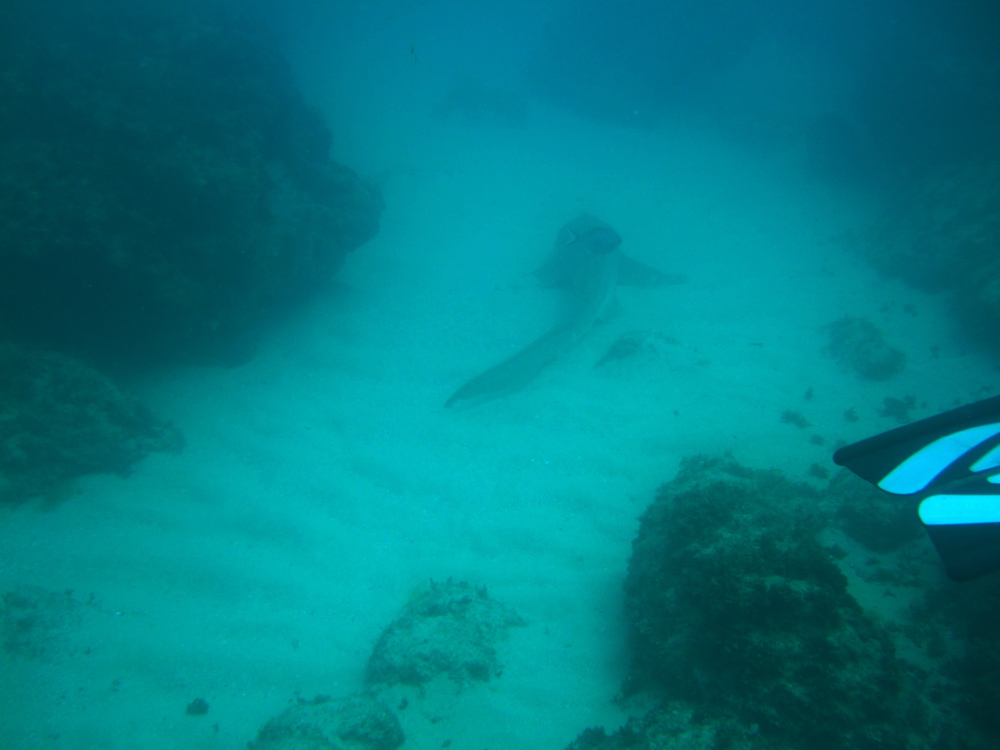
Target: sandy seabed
x=324, y=482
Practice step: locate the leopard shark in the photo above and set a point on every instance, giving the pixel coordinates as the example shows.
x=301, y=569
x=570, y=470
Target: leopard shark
x=588, y=262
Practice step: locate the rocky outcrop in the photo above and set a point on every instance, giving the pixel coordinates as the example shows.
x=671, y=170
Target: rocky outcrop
x=60, y=420
x=163, y=186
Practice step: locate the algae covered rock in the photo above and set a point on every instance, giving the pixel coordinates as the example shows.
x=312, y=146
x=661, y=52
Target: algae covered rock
x=451, y=629
x=860, y=347
x=60, y=419
x=940, y=233
x=164, y=188
x=672, y=725
x=358, y=722
x=958, y=622
x=736, y=607
x=879, y=521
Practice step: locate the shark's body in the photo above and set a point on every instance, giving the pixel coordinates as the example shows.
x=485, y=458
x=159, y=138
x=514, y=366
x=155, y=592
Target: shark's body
x=587, y=261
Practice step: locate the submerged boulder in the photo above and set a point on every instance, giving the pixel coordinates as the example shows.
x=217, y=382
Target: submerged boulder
x=738, y=610
x=940, y=233
x=451, y=629
x=163, y=186
x=60, y=419
x=357, y=722
x=859, y=346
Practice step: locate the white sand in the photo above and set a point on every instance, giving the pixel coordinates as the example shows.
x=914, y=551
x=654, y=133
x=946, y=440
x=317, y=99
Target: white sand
x=323, y=481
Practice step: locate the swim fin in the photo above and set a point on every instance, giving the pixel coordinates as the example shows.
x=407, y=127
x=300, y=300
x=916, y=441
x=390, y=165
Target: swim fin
x=951, y=462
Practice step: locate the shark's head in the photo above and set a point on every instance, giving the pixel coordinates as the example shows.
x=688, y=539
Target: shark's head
x=601, y=239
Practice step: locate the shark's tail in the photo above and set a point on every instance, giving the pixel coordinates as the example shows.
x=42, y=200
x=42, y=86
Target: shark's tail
x=517, y=371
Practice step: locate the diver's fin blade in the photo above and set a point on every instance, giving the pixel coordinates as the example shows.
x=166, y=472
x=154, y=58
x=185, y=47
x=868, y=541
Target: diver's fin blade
x=947, y=448
x=964, y=525
x=967, y=551
x=965, y=528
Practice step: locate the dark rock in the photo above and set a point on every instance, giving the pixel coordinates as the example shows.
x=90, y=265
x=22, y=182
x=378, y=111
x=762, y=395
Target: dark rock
x=859, y=346
x=737, y=609
x=60, y=419
x=875, y=519
x=671, y=724
x=940, y=233
x=163, y=187
x=959, y=623
x=898, y=408
x=451, y=629
x=358, y=722
x=795, y=418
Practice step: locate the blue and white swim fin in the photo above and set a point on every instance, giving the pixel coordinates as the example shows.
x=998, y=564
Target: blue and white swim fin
x=951, y=463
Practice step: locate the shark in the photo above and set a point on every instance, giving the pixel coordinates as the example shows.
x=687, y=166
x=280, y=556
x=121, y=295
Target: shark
x=588, y=262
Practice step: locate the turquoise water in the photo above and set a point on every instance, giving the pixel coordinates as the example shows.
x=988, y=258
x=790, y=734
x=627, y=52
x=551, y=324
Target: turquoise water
x=323, y=484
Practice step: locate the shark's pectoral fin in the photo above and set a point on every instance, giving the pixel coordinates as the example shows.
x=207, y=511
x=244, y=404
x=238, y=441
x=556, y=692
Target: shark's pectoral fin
x=632, y=272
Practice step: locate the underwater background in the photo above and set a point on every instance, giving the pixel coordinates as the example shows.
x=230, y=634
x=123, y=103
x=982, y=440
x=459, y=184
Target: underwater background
x=249, y=250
